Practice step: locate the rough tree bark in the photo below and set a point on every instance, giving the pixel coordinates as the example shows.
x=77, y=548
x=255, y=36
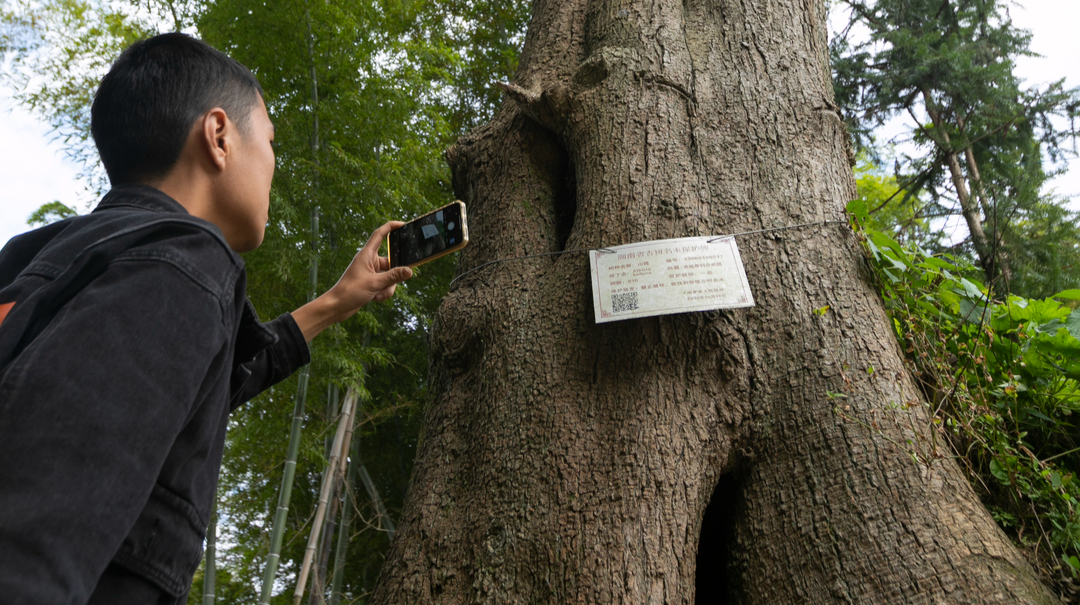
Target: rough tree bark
x=568, y=462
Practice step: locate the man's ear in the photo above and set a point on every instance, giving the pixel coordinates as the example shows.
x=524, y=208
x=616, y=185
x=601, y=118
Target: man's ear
x=217, y=133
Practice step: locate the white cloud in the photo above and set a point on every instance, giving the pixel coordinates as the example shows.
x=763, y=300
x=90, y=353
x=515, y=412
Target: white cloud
x=1052, y=24
x=33, y=170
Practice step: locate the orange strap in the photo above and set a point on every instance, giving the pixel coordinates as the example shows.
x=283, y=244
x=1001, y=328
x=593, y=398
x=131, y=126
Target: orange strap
x=4, y=309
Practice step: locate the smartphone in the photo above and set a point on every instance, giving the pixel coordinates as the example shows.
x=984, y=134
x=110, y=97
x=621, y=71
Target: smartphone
x=435, y=234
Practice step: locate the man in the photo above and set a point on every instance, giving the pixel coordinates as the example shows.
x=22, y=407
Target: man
x=126, y=337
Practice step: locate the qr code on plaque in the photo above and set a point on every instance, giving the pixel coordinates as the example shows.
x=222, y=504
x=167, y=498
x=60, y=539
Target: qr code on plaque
x=626, y=301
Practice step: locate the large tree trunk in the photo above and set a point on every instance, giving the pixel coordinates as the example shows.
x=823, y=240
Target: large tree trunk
x=568, y=462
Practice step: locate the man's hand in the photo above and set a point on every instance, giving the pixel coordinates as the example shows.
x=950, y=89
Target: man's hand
x=368, y=278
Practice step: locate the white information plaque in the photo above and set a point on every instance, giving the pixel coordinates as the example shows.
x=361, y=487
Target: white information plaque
x=668, y=276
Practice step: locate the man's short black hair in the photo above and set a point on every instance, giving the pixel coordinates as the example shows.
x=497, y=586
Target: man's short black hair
x=146, y=105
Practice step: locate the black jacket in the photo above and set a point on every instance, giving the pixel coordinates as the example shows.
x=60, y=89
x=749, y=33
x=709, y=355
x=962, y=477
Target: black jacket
x=129, y=342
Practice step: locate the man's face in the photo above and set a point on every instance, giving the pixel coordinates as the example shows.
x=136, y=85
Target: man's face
x=246, y=205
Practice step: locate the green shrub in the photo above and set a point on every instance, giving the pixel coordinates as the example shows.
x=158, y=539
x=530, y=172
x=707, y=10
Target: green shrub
x=1002, y=380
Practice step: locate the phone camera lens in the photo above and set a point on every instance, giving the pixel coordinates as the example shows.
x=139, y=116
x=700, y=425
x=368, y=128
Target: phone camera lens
x=450, y=225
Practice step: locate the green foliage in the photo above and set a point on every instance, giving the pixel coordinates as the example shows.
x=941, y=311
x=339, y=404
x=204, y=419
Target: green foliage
x=1002, y=381
x=396, y=83
x=50, y=213
x=363, y=151
x=952, y=56
x=1048, y=257
x=485, y=37
x=979, y=136
x=890, y=209
x=228, y=589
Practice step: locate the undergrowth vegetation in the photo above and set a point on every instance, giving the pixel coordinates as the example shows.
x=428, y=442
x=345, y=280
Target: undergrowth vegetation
x=1001, y=375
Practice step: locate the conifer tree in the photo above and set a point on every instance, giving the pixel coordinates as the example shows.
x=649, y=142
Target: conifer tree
x=981, y=134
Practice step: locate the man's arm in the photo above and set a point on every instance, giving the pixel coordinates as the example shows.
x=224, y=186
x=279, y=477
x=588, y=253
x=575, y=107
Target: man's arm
x=369, y=277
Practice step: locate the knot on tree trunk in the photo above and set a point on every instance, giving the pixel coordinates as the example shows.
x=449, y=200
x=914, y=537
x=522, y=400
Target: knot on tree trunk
x=548, y=108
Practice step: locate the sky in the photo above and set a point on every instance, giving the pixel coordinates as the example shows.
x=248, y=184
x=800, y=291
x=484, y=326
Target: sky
x=1053, y=25
x=34, y=170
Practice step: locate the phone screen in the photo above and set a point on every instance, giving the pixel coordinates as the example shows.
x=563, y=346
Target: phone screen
x=426, y=236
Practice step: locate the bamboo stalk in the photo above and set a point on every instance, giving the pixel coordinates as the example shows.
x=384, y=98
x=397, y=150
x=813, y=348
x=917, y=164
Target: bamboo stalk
x=385, y=523
x=318, y=581
x=333, y=406
x=348, y=502
x=210, y=570
x=278, y=532
x=345, y=426
x=319, y=576
x=317, y=595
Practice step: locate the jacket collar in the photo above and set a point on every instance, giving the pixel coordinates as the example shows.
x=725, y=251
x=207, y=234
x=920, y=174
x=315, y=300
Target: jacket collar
x=143, y=197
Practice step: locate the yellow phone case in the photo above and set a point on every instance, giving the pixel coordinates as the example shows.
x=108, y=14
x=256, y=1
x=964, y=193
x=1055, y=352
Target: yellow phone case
x=454, y=248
